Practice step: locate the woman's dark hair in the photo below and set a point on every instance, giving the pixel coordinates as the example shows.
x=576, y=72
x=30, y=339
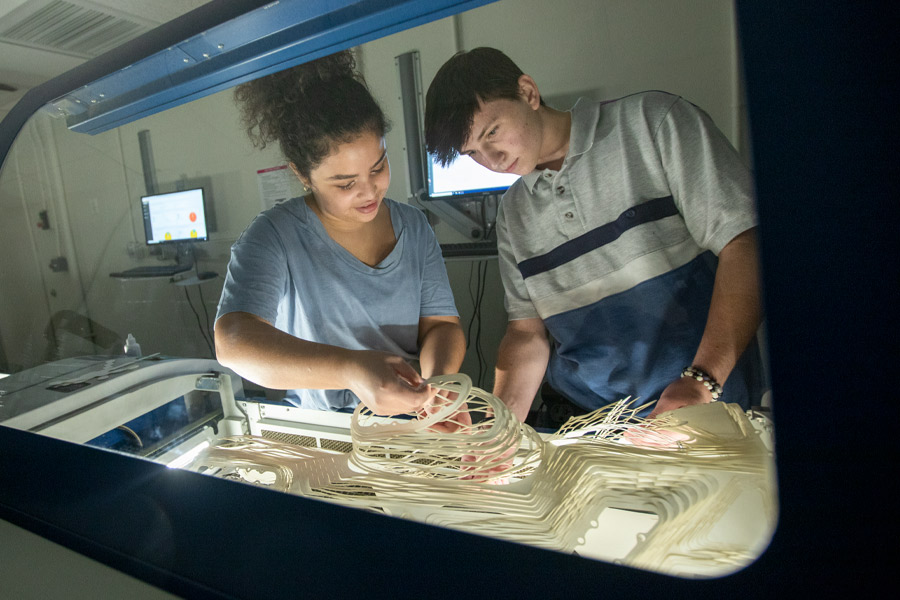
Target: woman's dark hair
x=479, y=75
x=310, y=109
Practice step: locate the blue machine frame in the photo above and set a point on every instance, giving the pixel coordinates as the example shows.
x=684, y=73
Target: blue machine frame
x=201, y=537
x=211, y=49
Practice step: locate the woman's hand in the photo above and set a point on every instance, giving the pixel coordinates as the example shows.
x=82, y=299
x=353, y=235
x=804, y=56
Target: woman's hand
x=387, y=384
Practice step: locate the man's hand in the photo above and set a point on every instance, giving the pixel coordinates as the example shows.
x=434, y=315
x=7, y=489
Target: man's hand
x=387, y=384
x=459, y=420
x=496, y=474
x=685, y=391
x=680, y=393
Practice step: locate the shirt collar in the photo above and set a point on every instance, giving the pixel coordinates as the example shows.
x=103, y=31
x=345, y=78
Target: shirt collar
x=531, y=178
x=585, y=115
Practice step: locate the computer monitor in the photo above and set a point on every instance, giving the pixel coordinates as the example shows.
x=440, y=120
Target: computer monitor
x=464, y=177
x=175, y=217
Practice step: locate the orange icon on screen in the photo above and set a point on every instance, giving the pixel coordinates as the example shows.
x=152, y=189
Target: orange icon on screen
x=193, y=217
x=168, y=236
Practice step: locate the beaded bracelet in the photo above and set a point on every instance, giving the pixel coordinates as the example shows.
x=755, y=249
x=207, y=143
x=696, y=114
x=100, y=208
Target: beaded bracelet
x=706, y=379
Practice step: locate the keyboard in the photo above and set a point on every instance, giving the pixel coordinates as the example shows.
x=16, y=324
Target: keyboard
x=469, y=249
x=151, y=271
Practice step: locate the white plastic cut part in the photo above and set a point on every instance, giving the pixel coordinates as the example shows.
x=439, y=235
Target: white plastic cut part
x=690, y=493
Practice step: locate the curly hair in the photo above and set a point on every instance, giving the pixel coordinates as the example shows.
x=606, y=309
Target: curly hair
x=466, y=79
x=310, y=109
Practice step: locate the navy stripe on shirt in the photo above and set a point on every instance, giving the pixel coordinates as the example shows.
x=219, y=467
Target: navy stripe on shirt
x=646, y=212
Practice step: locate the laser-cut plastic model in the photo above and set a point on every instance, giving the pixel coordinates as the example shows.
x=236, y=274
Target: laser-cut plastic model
x=690, y=493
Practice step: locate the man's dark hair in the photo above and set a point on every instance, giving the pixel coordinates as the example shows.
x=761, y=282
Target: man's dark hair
x=479, y=75
x=310, y=109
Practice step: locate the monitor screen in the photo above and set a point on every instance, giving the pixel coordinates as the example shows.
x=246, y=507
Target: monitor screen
x=175, y=217
x=464, y=176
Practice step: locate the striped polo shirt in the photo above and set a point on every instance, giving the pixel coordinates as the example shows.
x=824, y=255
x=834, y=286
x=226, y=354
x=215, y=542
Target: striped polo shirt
x=616, y=251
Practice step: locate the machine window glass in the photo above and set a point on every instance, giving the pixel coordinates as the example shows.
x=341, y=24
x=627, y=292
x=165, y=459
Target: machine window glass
x=127, y=234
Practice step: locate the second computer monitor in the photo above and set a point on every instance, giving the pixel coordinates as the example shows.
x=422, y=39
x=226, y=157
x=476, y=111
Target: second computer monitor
x=465, y=177
x=175, y=217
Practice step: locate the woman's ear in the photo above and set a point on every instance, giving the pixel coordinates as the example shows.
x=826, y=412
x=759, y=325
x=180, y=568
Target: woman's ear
x=302, y=179
x=528, y=90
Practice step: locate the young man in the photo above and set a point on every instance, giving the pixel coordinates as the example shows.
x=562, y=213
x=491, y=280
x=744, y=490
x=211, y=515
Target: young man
x=610, y=240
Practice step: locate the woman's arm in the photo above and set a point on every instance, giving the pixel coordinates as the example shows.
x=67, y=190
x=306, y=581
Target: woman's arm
x=257, y=350
x=442, y=345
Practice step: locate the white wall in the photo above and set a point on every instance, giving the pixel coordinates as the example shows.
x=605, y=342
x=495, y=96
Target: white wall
x=199, y=140
x=91, y=185
x=607, y=48
x=31, y=292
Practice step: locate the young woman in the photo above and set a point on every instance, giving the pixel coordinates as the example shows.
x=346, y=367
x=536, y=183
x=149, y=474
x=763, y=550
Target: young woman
x=329, y=295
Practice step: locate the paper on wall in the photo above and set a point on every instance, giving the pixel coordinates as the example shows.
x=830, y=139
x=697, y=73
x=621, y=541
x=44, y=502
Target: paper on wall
x=275, y=185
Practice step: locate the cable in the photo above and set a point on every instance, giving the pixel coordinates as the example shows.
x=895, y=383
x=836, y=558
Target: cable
x=482, y=361
x=478, y=353
x=197, y=316
x=477, y=297
x=209, y=335
x=475, y=268
x=472, y=298
x=489, y=230
x=132, y=434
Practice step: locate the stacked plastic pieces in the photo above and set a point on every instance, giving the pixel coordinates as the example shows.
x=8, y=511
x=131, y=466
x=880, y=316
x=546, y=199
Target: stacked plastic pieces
x=690, y=494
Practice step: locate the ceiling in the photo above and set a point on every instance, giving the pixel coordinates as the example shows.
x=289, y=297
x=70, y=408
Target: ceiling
x=40, y=39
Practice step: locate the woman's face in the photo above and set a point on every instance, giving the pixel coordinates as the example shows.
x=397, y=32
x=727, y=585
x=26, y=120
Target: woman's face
x=349, y=185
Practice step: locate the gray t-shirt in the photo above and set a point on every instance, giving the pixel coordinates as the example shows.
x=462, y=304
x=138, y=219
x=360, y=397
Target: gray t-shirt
x=286, y=269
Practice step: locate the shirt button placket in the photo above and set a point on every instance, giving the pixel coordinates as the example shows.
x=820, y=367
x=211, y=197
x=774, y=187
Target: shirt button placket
x=568, y=208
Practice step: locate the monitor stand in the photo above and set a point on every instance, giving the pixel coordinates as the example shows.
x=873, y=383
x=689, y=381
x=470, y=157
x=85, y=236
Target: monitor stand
x=184, y=255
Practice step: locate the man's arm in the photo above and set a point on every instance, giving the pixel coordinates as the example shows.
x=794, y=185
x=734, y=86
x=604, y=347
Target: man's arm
x=521, y=364
x=734, y=317
x=442, y=345
x=257, y=350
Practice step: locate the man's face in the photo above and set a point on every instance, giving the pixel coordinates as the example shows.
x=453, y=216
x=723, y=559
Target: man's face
x=506, y=136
